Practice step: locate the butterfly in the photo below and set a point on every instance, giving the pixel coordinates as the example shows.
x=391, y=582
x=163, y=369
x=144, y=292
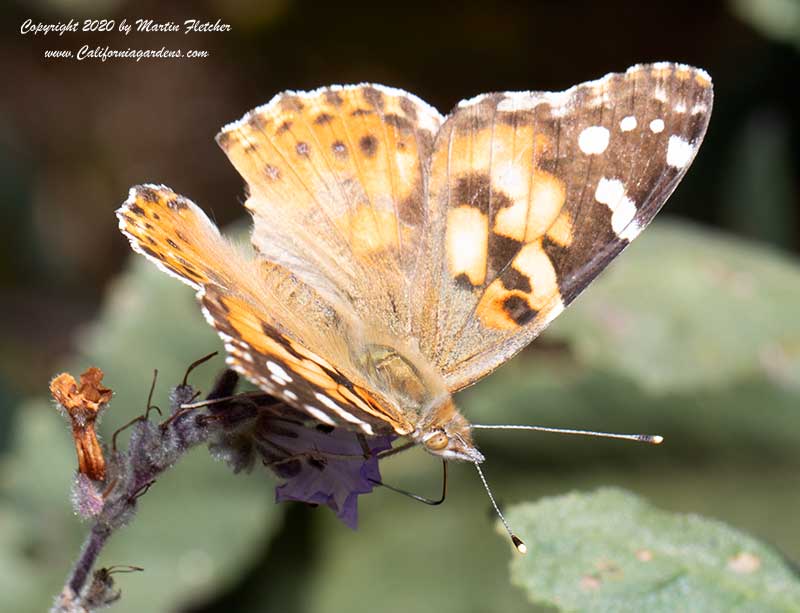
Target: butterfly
x=401, y=255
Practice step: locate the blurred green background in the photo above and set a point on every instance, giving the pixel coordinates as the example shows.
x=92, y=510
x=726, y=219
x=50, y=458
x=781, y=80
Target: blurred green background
x=693, y=334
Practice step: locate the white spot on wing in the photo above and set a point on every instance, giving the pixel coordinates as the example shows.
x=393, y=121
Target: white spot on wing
x=631, y=231
x=593, y=140
x=262, y=382
x=367, y=428
x=290, y=394
x=207, y=314
x=510, y=177
x=611, y=192
x=628, y=123
x=679, y=152
x=279, y=372
x=320, y=416
x=344, y=414
x=554, y=311
x=657, y=125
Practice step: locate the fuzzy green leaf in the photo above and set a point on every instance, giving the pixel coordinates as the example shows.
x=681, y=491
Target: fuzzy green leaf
x=689, y=334
x=611, y=551
x=685, y=308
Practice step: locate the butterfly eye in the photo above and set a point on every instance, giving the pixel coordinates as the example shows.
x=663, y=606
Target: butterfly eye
x=437, y=442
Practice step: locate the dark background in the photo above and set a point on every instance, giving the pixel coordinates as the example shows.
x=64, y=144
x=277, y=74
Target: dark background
x=74, y=136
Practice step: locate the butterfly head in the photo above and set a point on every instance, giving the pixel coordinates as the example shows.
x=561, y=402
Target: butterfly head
x=449, y=436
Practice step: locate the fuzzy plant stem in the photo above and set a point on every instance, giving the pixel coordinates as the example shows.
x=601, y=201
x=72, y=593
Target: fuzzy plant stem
x=240, y=429
x=89, y=552
x=152, y=449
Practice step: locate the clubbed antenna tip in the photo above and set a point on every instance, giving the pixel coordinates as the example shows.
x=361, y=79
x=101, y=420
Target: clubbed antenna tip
x=653, y=439
x=519, y=545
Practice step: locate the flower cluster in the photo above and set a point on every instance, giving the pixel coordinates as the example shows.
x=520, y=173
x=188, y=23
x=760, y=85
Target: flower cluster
x=319, y=464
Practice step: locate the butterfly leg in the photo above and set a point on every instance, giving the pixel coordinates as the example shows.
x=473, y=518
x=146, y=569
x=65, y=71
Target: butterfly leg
x=315, y=457
x=362, y=440
x=397, y=450
x=427, y=501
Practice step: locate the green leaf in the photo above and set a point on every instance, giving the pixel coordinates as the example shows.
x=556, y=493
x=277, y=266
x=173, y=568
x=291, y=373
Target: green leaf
x=197, y=528
x=776, y=19
x=407, y=556
x=685, y=308
x=611, y=551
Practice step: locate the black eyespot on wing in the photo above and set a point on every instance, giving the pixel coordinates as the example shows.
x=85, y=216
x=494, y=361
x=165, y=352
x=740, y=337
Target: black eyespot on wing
x=368, y=145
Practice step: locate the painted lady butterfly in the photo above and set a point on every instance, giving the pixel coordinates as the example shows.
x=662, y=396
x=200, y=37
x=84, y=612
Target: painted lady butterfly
x=401, y=255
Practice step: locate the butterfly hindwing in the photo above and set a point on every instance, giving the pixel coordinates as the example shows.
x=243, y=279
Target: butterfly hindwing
x=278, y=364
x=173, y=232
x=267, y=318
x=533, y=193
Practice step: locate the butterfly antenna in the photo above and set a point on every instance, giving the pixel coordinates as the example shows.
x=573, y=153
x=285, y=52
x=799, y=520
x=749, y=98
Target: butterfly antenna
x=652, y=439
x=518, y=542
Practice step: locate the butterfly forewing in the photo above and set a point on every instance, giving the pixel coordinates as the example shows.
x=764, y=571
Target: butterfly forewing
x=337, y=187
x=532, y=194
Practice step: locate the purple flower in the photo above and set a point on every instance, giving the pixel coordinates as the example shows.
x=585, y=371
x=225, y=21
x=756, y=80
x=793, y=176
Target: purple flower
x=321, y=465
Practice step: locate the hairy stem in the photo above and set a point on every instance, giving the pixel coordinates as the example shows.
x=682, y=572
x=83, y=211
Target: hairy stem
x=92, y=546
x=153, y=449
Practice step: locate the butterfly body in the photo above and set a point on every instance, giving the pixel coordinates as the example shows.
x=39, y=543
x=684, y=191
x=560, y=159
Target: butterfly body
x=422, y=394
x=401, y=255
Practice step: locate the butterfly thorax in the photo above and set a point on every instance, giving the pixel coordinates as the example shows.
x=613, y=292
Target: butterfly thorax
x=419, y=391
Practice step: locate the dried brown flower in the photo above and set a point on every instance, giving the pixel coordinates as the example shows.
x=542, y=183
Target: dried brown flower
x=83, y=404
